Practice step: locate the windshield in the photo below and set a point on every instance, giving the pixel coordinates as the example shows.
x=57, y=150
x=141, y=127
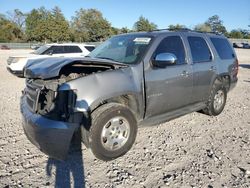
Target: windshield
x=41, y=50
x=126, y=49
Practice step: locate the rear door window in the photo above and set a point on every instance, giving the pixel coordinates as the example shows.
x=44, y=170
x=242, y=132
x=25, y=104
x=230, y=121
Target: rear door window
x=72, y=49
x=223, y=48
x=199, y=49
x=57, y=49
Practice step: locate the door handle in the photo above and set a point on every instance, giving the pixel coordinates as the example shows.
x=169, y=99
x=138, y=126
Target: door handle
x=212, y=68
x=184, y=73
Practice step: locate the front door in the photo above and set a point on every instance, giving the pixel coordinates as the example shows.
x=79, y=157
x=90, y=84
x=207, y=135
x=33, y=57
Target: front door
x=171, y=87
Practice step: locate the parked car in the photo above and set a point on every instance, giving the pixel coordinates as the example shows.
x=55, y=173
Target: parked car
x=4, y=47
x=237, y=45
x=130, y=80
x=16, y=64
x=245, y=46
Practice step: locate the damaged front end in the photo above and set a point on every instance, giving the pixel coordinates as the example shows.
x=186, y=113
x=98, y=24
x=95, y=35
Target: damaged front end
x=49, y=115
x=44, y=98
x=49, y=120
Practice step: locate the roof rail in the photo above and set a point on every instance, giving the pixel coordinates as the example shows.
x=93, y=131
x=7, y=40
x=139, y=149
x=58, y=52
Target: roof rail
x=170, y=29
x=211, y=32
x=185, y=30
x=158, y=30
x=180, y=29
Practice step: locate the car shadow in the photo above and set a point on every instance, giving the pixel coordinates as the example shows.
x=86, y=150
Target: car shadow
x=246, y=66
x=72, y=167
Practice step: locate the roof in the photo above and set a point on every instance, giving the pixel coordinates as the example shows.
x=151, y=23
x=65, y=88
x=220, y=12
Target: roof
x=69, y=44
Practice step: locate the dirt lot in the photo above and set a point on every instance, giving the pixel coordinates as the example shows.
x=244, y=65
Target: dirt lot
x=191, y=151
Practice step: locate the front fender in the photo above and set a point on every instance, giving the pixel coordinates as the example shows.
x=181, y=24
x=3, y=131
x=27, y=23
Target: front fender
x=93, y=89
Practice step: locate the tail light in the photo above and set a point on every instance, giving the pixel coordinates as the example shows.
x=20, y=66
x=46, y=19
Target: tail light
x=236, y=67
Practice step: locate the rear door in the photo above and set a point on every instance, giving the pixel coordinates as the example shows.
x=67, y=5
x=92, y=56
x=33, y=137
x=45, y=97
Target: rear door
x=204, y=67
x=73, y=50
x=171, y=87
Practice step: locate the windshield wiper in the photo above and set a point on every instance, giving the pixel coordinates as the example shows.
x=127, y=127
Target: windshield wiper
x=107, y=58
x=120, y=63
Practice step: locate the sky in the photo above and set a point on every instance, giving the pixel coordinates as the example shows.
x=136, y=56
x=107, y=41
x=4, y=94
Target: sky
x=234, y=13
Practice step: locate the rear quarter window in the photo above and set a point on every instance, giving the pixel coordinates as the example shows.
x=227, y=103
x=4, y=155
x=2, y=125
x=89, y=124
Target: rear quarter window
x=90, y=48
x=223, y=48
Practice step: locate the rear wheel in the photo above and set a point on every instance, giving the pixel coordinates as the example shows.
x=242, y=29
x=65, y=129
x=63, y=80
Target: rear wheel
x=113, y=131
x=217, y=100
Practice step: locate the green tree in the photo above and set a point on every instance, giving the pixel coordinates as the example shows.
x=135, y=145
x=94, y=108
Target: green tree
x=17, y=17
x=115, y=31
x=176, y=27
x=9, y=31
x=125, y=30
x=245, y=33
x=143, y=24
x=36, y=24
x=58, y=27
x=203, y=28
x=236, y=34
x=216, y=24
x=90, y=25
x=44, y=25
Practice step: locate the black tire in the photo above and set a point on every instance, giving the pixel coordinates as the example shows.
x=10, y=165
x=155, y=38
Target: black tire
x=211, y=107
x=102, y=118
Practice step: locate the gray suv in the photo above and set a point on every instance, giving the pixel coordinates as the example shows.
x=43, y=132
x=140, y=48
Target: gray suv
x=130, y=80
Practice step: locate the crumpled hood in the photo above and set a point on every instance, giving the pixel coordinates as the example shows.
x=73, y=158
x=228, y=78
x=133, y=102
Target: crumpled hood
x=46, y=68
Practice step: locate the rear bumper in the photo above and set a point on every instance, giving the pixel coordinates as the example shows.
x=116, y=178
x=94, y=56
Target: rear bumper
x=16, y=73
x=233, y=83
x=50, y=136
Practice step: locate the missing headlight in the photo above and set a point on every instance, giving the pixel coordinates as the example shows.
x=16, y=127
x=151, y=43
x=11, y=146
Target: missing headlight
x=56, y=105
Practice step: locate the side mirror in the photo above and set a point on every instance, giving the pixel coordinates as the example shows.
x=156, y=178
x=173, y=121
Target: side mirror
x=164, y=59
x=50, y=52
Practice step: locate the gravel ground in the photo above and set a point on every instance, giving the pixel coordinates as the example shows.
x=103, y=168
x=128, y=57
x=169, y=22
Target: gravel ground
x=192, y=151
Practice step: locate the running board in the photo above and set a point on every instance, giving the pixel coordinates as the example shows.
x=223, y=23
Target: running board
x=156, y=120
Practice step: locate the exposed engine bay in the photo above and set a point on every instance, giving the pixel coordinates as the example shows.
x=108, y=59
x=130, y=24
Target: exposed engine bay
x=44, y=98
x=76, y=70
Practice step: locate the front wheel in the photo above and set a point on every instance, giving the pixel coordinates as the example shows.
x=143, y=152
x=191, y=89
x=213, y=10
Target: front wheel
x=217, y=100
x=113, y=131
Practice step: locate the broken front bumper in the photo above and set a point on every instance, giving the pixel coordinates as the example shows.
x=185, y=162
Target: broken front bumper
x=50, y=136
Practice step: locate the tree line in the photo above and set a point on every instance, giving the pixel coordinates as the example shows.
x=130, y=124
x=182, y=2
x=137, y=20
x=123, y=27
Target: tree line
x=87, y=25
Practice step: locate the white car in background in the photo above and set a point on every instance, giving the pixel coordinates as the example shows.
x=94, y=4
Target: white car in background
x=16, y=64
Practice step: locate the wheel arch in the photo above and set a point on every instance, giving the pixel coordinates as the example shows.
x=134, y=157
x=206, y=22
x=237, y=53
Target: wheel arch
x=130, y=100
x=222, y=79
